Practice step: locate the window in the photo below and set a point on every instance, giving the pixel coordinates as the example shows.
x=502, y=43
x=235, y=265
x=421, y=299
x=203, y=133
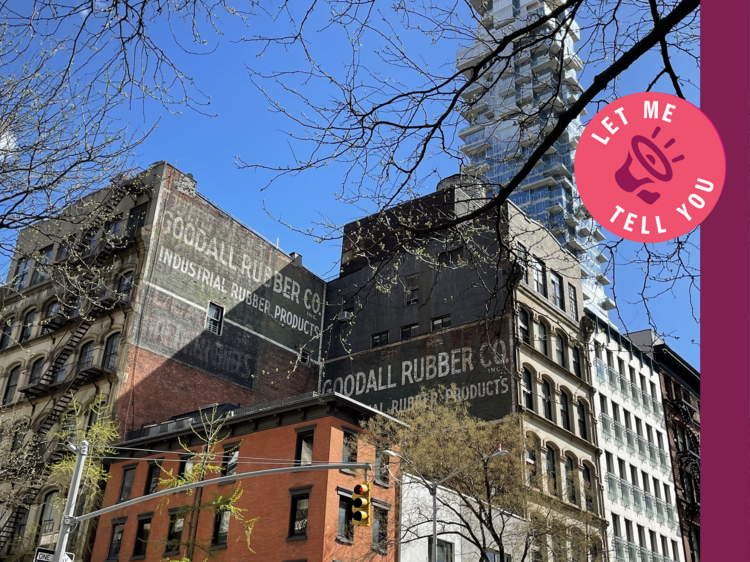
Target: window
x=629, y=530
x=11, y=385
x=412, y=289
x=221, y=528
x=644, y=479
x=6, y=333
x=51, y=311
x=523, y=260
x=349, y=449
x=69, y=424
x=214, y=318
x=231, y=456
x=527, y=395
x=136, y=219
x=118, y=528
x=664, y=545
x=570, y=484
x=86, y=355
x=441, y=323
x=380, y=529
x=111, y=347
x=19, y=436
x=560, y=350
x=582, y=421
x=564, y=411
x=152, y=478
x=675, y=551
x=141, y=536
x=304, y=449
x=40, y=271
x=523, y=326
x=531, y=464
x=28, y=326
x=408, y=332
x=22, y=273
x=551, y=472
x=546, y=400
x=557, y=296
x=616, y=525
x=540, y=277
x=542, y=337
x=610, y=462
x=588, y=488
x=444, y=551
x=60, y=371
x=36, y=371
x=174, y=536
x=380, y=339
x=633, y=475
x=577, y=362
x=19, y=530
x=345, y=529
x=125, y=286
x=572, y=302
x=126, y=488
x=298, y=525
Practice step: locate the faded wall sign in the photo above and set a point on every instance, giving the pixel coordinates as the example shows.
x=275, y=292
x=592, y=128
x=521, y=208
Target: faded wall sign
x=391, y=378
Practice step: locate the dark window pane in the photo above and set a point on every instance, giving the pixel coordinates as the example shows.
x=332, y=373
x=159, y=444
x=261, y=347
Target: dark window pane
x=126, y=489
x=141, y=537
x=116, y=540
x=300, y=506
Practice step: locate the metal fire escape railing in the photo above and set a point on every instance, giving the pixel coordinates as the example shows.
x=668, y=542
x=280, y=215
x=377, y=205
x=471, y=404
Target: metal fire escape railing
x=688, y=459
x=78, y=283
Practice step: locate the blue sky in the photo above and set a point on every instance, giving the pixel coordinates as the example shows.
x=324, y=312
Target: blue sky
x=245, y=127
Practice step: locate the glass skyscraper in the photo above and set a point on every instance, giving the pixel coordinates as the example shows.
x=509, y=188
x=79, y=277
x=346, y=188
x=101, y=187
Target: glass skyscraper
x=510, y=110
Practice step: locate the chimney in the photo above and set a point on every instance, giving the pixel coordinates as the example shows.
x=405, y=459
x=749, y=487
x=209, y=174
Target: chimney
x=296, y=258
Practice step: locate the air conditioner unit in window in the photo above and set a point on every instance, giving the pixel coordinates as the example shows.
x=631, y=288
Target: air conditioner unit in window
x=344, y=316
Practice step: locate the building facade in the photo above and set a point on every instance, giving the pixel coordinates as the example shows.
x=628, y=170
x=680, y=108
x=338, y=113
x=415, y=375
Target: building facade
x=641, y=492
x=300, y=515
x=680, y=388
x=157, y=303
x=513, y=104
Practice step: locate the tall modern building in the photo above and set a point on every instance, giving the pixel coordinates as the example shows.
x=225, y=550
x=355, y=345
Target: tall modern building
x=511, y=108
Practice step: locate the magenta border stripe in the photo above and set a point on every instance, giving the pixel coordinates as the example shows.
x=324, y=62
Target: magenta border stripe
x=725, y=295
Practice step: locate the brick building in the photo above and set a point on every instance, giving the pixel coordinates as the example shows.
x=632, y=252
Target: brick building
x=301, y=516
x=680, y=390
x=169, y=304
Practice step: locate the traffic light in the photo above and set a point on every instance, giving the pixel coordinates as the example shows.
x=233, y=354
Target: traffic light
x=361, y=504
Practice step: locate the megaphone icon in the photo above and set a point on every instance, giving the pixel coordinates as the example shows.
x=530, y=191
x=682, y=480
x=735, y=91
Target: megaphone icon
x=646, y=152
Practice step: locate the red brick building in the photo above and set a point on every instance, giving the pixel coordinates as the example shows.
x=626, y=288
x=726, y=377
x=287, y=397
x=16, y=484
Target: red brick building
x=301, y=515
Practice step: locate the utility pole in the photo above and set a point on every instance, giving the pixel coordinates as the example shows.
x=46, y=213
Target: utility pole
x=68, y=520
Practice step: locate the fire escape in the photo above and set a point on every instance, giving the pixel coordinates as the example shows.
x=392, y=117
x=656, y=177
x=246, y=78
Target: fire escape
x=689, y=456
x=81, y=301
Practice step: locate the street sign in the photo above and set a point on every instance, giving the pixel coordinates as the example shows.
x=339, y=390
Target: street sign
x=44, y=555
x=47, y=555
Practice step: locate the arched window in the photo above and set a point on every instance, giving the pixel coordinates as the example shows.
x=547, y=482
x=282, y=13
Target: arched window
x=531, y=472
x=110, y=352
x=542, y=337
x=577, y=362
x=546, y=400
x=560, y=350
x=61, y=372
x=28, y=326
x=588, y=490
x=36, y=371
x=551, y=472
x=50, y=312
x=49, y=519
x=11, y=385
x=7, y=332
x=564, y=410
x=125, y=286
x=523, y=326
x=582, y=421
x=86, y=356
x=570, y=482
x=19, y=435
x=526, y=389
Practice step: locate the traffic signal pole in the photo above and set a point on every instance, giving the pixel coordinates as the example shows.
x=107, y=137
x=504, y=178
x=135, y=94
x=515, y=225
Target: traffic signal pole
x=68, y=519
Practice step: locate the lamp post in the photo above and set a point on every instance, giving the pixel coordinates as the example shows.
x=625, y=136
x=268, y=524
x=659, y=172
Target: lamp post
x=433, y=486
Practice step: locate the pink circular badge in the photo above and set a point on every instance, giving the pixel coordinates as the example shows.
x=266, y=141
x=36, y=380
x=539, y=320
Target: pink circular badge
x=650, y=167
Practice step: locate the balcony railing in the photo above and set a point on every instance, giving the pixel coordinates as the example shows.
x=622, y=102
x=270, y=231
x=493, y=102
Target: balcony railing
x=637, y=499
x=635, y=394
x=606, y=426
x=631, y=437
x=625, y=492
x=660, y=510
x=624, y=386
x=653, y=454
x=642, y=448
x=648, y=500
x=658, y=411
x=619, y=433
x=612, y=486
x=663, y=459
x=612, y=378
x=601, y=370
x=646, y=401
